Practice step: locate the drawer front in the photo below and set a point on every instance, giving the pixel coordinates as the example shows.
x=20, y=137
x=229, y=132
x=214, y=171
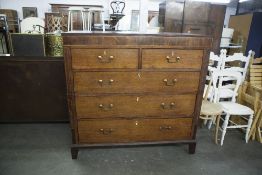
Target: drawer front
x=134, y=106
x=104, y=58
x=171, y=58
x=124, y=131
x=136, y=82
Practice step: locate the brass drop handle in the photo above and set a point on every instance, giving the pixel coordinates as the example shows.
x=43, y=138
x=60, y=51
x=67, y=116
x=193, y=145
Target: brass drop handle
x=172, y=59
x=109, y=82
x=106, y=107
x=106, y=131
x=170, y=82
x=168, y=106
x=105, y=59
x=164, y=128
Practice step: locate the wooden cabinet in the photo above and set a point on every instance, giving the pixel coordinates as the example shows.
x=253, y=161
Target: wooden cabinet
x=193, y=17
x=134, y=89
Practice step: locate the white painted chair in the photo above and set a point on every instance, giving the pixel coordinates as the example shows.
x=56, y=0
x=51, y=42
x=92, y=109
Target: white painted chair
x=231, y=107
x=90, y=14
x=71, y=12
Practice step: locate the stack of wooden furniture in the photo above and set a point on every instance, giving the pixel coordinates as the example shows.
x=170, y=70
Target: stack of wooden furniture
x=250, y=94
x=134, y=89
x=255, y=72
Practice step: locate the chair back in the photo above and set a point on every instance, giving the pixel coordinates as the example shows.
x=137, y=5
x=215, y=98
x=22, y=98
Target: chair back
x=242, y=65
x=220, y=82
x=217, y=58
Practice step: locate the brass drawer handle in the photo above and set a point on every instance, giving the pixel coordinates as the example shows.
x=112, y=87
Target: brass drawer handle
x=105, y=59
x=170, y=82
x=106, y=107
x=102, y=82
x=165, y=128
x=172, y=59
x=168, y=106
x=106, y=131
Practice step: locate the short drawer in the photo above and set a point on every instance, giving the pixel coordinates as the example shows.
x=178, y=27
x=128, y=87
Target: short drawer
x=104, y=58
x=134, y=106
x=136, y=82
x=124, y=131
x=171, y=58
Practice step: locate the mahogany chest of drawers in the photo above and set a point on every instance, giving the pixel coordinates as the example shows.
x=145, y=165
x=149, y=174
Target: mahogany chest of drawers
x=134, y=89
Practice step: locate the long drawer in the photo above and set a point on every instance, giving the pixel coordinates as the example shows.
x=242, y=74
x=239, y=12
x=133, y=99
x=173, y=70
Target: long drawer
x=171, y=58
x=142, y=130
x=136, y=82
x=104, y=58
x=134, y=106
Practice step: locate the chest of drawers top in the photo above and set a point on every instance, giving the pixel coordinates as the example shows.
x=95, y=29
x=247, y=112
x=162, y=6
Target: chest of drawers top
x=136, y=40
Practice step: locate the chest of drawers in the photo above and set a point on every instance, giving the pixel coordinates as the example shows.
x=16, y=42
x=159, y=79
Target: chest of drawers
x=134, y=89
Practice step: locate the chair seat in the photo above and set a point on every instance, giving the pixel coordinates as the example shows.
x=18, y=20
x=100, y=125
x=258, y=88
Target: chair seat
x=236, y=109
x=209, y=108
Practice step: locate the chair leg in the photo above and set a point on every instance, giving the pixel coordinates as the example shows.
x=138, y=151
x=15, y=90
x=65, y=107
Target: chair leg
x=217, y=127
x=210, y=122
x=103, y=21
x=68, y=21
x=83, y=20
x=248, y=127
x=224, y=128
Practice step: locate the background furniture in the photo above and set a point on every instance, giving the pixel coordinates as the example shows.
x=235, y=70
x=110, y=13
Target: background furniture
x=55, y=21
x=4, y=34
x=63, y=9
x=250, y=92
x=12, y=19
x=32, y=25
x=193, y=17
x=27, y=44
x=33, y=89
x=134, y=89
x=247, y=32
x=71, y=12
x=98, y=14
x=255, y=72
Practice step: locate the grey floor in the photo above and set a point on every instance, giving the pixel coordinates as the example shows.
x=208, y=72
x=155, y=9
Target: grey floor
x=43, y=149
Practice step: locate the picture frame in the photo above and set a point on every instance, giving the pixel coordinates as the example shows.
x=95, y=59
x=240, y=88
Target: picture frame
x=29, y=12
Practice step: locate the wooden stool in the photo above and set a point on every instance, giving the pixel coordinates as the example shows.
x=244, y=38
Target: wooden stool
x=70, y=17
x=91, y=12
